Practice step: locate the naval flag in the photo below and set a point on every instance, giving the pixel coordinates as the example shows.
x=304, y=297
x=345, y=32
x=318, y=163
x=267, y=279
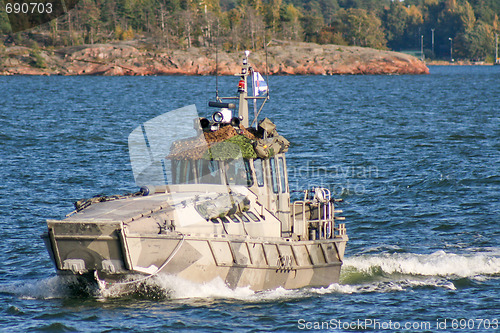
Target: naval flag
x=259, y=84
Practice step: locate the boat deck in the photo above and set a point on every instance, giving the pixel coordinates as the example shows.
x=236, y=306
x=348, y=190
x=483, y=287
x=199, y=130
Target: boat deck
x=121, y=210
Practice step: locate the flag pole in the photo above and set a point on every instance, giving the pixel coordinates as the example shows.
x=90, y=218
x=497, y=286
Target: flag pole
x=217, y=67
x=267, y=69
x=255, y=93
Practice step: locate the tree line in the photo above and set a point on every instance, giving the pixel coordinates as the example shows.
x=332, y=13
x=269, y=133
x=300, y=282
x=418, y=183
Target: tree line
x=444, y=29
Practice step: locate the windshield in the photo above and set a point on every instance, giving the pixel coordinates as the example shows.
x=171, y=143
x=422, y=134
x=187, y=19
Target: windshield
x=173, y=149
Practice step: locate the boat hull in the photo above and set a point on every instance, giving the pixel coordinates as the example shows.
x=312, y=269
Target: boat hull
x=107, y=253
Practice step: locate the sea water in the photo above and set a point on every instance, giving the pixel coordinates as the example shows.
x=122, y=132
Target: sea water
x=416, y=160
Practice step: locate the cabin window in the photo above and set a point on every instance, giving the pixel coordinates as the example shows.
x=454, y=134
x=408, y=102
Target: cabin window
x=253, y=216
x=234, y=219
x=259, y=172
x=274, y=180
x=214, y=220
x=208, y=172
x=248, y=171
x=224, y=219
x=175, y=171
x=183, y=172
x=238, y=172
x=196, y=172
x=281, y=163
x=243, y=217
x=190, y=172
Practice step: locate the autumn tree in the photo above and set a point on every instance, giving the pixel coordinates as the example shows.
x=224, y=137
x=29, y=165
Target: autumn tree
x=290, y=22
x=360, y=27
x=238, y=24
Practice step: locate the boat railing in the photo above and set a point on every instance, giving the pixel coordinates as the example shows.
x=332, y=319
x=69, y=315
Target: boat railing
x=314, y=218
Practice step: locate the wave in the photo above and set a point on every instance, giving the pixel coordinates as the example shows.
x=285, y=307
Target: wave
x=439, y=264
x=367, y=273
x=171, y=288
x=218, y=290
x=179, y=289
x=49, y=288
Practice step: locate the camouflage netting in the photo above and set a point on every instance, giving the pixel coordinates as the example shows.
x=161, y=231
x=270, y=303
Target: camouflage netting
x=202, y=146
x=188, y=149
x=237, y=146
x=230, y=143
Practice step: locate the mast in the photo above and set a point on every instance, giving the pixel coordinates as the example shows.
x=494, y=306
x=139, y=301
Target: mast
x=242, y=89
x=217, y=70
x=243, y=97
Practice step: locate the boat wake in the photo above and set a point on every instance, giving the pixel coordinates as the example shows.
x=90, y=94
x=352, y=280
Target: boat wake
x=401, y=271
x=441, y=264
x=371, y=273
x=50, y=288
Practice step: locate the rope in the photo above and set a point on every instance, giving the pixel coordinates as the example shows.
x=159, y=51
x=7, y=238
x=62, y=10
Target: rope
x=174, y=252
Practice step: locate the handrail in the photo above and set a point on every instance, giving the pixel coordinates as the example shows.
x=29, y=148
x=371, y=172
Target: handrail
x=321, y=226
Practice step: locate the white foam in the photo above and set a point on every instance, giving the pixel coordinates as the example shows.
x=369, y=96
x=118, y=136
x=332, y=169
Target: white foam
x=176, y=288
x=179, y=288
x=384, y=272
x=440, y=263
x=53, y=287
x=383, y=286
x=335, y=288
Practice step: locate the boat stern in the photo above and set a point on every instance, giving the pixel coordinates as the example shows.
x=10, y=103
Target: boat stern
x=86, y=247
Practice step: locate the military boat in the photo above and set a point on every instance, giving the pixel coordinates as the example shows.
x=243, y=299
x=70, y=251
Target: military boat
x=214, y=203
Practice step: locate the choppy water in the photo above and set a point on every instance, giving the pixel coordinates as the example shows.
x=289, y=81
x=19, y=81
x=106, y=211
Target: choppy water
x=415, y=158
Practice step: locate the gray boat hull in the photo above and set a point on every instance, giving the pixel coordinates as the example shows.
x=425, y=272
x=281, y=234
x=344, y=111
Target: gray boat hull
x=106, y=252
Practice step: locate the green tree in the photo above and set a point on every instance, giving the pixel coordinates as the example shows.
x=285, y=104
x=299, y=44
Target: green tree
x=370, y=5
x=290, y=21
x=272, y=10
x=486, y=9
x=312, y=25
x=4, y=23
x=395, y=20
x=243, y=23
x=360, y=27
x=325, y=8
x=90, y=15
x=467, y=17
x=476, y=43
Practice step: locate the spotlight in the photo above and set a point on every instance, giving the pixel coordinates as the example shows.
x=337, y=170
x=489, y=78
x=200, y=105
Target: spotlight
x=235, y=122
x=218, y=117
x=204, y=123
x=222, y=116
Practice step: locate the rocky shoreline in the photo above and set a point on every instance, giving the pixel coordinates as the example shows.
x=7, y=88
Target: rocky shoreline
x=128, y=58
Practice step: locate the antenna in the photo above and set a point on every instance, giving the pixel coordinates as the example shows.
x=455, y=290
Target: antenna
x=267, y=70
x=217, y=67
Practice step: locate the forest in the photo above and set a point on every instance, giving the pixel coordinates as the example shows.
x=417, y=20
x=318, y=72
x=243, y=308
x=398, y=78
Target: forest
x=443, y=29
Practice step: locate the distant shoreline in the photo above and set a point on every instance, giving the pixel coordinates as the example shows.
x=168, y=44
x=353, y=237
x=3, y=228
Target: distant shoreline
x=128, y=58
x=458, y=63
